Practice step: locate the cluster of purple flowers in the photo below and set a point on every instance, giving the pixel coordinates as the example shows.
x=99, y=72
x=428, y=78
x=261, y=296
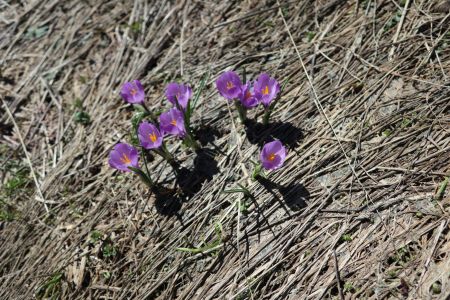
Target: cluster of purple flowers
x=150, y=136
x=175, y=122
x=264, y=90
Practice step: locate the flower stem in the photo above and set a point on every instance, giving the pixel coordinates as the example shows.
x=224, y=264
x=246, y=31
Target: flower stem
x=145, y=177
x=257, y=172
x=266, y=117
x=148, y=172
x=164, y=152
x=151, y=115
x=242, y=111
x=190, y=141
x=188, y=138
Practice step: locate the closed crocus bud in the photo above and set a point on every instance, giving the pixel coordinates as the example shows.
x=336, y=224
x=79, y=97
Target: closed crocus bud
x=133, y=92
x=178, y=93
x=123, y=156
x=266, y=89
x=273, y=155
x=172, y=122
x=149, y=136
x=229, y=85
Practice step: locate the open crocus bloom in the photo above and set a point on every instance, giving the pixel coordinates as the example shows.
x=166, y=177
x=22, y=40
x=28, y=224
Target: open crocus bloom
x=149, y=136
x=273, y=155
x=133, y=92
x=229, y=85
x=247, y=97
x=123, y=156
x=266, y=89
x=172, y=122
x=178, y=93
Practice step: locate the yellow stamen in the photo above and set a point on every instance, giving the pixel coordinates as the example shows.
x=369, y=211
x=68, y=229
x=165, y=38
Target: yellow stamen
x=229, y=85
x=153, y=137
x=133, y=92
x=125, y=159
x=266, y=90
x=248, y=95
x=271, y=156
x=174, y=122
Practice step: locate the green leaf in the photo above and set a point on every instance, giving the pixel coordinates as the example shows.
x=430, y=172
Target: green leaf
x=143, y=176
x=135, y=121
x=241, y=189
x=440, y=193
x=96, y=236
x=36, y=32
x=387, y=132
x=257, y=171
x=82, y=117
x=346, y=237
x=193, y=104
x=232, y=191
x=136, y=27
x=78, y=103
x=243, y=206
x=201, y=249
x=106, y=274
x=310, y=36
x=219, y=230
x=109, y=250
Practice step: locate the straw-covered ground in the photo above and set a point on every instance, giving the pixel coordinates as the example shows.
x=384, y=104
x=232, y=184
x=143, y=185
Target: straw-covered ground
x=359, y=211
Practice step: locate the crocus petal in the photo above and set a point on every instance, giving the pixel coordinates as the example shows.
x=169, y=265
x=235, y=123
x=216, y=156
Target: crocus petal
x=272, y=165
x=178, y=93
x=229, y=85
x=133, y=92
x=172, y=122
x=123, y=156
x=149, y=136
x=247, y=97
x=266, y=89
x=140, y=95
x=273, y=155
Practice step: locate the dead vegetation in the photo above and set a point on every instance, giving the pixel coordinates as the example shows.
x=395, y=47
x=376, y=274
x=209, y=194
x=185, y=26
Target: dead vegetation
x=364, y=185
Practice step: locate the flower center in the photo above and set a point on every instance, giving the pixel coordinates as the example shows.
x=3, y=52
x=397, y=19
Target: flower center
x=266, y=90
x=153, y=137
x=133, y=92
x=248, y=95
x=229, y=85
x=174, y=122
x=125, y=159
x=177, y=96
x=271, y=156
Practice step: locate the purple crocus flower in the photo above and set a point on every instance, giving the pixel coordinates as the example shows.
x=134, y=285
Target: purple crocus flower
x=247, y=97
x=149, y=136
x=273, y=155
x=123, y=156
x=229, y=85
x=133, y=92
x=172, y=122
x=266, y=89
x=178, y=93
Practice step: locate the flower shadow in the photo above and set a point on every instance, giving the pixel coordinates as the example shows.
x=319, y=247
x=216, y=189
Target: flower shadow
x=286, y=132
x=167, y=202
x=207, y=134
x=295, y=195
x=190, y=181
